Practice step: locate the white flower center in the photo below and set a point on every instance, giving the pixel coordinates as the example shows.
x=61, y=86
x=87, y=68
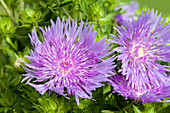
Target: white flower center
x=141, y=52
x=65, y=67
x=139, y=93
x=137, y=51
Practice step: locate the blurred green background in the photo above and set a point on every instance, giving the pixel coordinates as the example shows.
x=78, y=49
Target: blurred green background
x=160, y=5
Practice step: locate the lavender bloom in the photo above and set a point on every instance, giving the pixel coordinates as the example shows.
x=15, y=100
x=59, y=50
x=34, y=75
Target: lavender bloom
x=142, y=46
x=129, y=12
x=68, y=61
x=154, y=94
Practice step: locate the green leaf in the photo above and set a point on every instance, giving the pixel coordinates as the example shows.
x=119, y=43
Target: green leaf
x=39, y=108
x=52, y=105
x=46, y=104
x=31, y=16
x=91, y=1
x=164, y=109
x=151, y=110
x=65, y=3
x=11, y=43
x=2, y=109
x=136, y=109
x=125, y=111
x=10, y=53
x=109, y=107
x=107, y=18
x=106, y=111
x=5, y=25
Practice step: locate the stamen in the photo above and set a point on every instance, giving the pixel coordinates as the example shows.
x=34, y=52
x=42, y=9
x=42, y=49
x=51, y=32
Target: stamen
x=141, y=52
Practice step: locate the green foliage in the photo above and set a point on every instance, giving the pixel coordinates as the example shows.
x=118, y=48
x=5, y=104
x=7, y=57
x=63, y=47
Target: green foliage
x=31, y=16
x=6, y=26
x=19, y=19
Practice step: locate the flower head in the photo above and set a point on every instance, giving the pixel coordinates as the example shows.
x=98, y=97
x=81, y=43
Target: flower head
x=68, y=61
x=153, y=94
x=142, y=46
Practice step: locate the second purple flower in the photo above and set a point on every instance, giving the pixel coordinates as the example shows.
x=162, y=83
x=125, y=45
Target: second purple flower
x=143, y=44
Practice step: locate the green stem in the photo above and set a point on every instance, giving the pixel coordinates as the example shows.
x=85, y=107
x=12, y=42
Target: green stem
x=65, y=10
x=5, y=7
x=0, y=57
x=8, y=11
x=21, y=6
x=114, y=24
x=100, y=27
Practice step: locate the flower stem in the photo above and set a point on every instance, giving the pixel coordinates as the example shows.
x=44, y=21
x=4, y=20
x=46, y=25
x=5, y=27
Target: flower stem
x=7, y=10
x=0, y=57
x=65, y=10
x=21, y=6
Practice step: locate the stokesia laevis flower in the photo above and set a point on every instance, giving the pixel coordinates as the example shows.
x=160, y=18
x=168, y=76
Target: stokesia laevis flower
x=142, y=47
x=68, y=61
x=154, y=94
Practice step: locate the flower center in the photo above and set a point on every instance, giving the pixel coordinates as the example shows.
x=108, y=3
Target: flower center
x=137, y=51
x=141, y=52
x=139, y=93
x=65, y=67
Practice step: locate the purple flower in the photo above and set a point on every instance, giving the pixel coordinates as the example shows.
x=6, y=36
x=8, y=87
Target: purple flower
x=68, y=61
x=142, y=47
x=129, y=12
x=153, y=94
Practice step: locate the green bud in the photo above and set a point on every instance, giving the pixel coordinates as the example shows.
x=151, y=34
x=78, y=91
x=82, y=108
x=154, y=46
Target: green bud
x=19, y=62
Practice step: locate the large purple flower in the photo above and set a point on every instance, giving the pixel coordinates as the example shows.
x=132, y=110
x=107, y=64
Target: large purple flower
x=153, y=94
x=68, y=61
x=142, y=47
